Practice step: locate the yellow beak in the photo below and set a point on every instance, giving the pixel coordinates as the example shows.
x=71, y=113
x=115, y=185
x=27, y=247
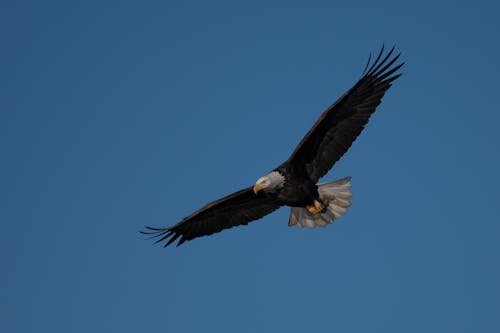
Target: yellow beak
x=258, y=187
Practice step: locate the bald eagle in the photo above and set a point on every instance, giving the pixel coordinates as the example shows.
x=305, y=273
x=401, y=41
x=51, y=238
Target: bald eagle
x=294, y=183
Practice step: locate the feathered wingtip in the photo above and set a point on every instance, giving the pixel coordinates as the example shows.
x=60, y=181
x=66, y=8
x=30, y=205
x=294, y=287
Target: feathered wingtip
x=162, y=234
x=381, y=64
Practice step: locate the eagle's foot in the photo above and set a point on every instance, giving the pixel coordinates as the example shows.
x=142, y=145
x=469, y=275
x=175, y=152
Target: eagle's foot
x=316, y=208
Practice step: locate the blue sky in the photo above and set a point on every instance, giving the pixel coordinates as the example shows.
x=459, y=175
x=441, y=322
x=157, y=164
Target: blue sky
x=116, y=115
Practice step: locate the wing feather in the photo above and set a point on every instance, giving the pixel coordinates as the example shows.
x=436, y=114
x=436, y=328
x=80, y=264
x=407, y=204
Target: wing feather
x=337, y=128
x=236, y=209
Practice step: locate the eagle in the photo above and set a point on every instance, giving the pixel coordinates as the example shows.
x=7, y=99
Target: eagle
x=294, y=183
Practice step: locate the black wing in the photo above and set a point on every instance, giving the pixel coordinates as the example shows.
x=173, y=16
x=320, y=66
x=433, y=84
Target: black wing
x=338, y=127
x=233, y=210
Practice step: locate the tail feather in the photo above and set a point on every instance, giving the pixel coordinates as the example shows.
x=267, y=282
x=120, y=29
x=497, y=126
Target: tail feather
x=335, y=195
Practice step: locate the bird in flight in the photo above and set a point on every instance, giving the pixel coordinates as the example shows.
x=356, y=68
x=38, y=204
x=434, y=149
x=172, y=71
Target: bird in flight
x=294, y=182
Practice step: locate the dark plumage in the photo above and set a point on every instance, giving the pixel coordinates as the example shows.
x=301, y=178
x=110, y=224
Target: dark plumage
x=293, y=183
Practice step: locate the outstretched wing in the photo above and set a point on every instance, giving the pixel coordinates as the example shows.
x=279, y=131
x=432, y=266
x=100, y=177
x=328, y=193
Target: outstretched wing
x=233, y=210
x=338, y=127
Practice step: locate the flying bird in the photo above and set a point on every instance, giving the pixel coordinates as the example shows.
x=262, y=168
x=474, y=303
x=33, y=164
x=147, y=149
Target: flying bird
x=294, y=182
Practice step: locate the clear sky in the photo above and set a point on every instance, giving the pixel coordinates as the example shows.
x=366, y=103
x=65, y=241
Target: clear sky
x=116, y=115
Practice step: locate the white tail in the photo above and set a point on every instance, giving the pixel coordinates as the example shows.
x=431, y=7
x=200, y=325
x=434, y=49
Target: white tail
x=335, y=195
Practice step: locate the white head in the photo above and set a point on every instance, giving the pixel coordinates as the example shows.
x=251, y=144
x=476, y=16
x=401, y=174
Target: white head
x=270, y=182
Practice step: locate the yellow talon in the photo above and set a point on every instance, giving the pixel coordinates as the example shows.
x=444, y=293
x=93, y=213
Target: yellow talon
x=316, y=208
